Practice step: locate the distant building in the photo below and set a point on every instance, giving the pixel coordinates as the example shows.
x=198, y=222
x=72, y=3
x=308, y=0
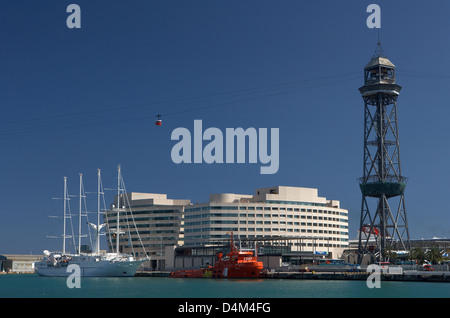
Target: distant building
x=311, y=223
x=17, y=263
x=149, y=222
x=5, y=264
x=320, y=225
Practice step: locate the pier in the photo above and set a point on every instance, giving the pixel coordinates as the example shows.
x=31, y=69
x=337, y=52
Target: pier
x=152, y=274
x=413, y=276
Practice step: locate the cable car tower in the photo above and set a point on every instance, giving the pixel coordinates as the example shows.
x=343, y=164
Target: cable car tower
x=383, y=223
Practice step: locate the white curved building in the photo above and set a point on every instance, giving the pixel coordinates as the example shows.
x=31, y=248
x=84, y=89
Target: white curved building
x=312, y=224
x=320, y=225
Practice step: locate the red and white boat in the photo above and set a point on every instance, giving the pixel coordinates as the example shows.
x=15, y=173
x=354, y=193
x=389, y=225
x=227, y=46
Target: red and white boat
x=235, y=264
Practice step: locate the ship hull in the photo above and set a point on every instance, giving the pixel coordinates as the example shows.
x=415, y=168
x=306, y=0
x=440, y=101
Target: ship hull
x=251, y=270
x=102, y=268
x=222, y=271
x=236, y=264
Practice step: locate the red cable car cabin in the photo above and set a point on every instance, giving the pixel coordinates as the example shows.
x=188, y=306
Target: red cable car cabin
x=158, y=122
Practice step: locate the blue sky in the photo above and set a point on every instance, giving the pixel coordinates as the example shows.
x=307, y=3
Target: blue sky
x=74, y=100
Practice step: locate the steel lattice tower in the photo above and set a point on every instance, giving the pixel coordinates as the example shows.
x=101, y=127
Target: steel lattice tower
x=383, y=224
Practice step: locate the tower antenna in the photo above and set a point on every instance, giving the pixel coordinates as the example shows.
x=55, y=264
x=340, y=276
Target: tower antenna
x=379, y=50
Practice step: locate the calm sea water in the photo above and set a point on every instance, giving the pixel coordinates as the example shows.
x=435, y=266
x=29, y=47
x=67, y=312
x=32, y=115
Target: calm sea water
x=34, y=286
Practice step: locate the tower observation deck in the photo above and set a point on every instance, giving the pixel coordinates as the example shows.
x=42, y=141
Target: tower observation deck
x=383, y=223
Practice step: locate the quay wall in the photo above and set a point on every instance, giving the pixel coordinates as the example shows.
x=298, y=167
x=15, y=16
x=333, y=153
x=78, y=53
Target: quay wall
x=416, y=277
x=413, y=277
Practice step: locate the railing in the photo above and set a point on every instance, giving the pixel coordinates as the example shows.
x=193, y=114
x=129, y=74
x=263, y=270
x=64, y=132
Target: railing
x=374, y=88
x=389, y=178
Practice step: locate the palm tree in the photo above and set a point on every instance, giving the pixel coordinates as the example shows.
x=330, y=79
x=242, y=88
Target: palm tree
x=389, y=254
x=417, y=254
x=434, y=255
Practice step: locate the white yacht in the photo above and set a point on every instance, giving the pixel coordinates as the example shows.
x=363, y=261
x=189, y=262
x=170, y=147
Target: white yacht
x=91, y=265
x=94, y=264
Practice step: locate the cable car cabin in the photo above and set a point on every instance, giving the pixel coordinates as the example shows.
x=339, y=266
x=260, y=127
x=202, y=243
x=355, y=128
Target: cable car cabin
x=158, y=122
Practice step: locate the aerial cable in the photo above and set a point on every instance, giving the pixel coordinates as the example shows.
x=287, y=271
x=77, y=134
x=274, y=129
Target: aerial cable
x=219, y=100
x=422, y=74
x=86, y=123
x=170, y=101
x=197, y=99
x=258, y=97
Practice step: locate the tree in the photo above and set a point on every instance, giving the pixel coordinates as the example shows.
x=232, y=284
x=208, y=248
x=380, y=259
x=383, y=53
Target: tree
x=389, y=254
x=417, y=254
x=434, y=255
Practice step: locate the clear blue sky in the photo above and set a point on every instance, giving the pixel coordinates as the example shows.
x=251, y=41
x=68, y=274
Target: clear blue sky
x=74, y=100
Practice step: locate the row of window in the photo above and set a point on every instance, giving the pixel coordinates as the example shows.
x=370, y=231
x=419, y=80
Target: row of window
x=316, y=241
x=294, y=203
x=267, y=222
x=270, y=216
x=311, y=245
x=147, y=218
x=265, y=208
x=112, y=215
x=145, y=225
x=261, y=229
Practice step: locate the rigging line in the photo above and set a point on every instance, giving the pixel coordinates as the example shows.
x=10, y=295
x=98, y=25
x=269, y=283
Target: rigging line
x=21, y=132
x=124, y=195
x=134, y=221
x=130, y=240
x=71, y=223
x=177, y=100
x=105, y=216
x=86, y=214
x=107, y=229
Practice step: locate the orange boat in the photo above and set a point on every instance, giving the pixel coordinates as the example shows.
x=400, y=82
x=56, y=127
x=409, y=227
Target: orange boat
x=236, y=264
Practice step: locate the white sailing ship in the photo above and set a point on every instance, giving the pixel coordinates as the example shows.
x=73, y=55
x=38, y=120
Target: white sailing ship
x=95, y=263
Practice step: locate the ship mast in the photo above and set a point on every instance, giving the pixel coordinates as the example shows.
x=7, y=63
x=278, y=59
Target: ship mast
x=79, y=214
x=118, y=209
x=98, y=210
x=64, y=221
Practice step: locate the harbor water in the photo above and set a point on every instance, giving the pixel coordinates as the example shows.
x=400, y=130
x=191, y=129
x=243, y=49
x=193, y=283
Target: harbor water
x=34, y=286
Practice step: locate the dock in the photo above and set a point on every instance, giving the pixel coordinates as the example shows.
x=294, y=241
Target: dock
x=152, y=274
x=416, y=276
x=413, y=276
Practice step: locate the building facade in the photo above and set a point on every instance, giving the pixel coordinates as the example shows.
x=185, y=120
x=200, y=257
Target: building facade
x=149, y=222
x=292, y=219
x=319, y=225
